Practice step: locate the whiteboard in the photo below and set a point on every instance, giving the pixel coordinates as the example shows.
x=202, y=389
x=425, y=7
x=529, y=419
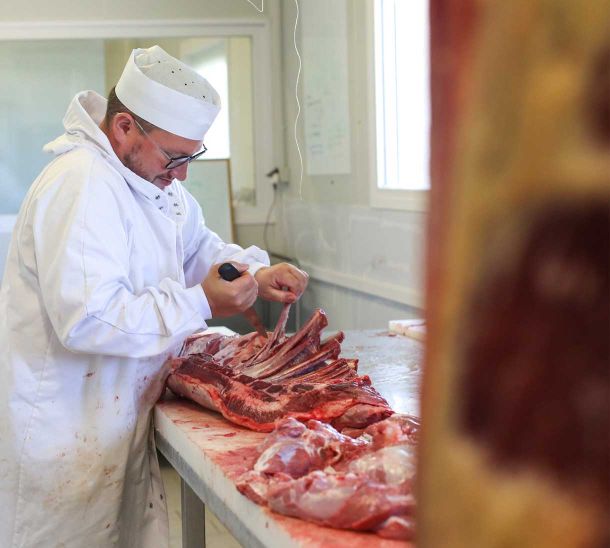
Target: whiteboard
x=325, y=87
x=209, y=182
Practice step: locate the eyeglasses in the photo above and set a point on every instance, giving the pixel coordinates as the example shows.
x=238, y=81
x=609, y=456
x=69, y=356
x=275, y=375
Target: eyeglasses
x=172, y=162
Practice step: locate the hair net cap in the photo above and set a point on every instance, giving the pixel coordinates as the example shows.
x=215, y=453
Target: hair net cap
x=167, y=93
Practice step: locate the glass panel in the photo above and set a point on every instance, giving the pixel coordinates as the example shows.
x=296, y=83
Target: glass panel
x=209, y=57
x=40, y=77
x=402, y=94
x=241, y=113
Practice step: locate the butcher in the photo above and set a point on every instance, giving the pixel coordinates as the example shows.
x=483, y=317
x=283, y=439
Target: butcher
x=110, y=267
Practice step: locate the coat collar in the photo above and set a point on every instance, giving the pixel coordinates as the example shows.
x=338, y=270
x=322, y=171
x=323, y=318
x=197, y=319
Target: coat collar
x=82, y=124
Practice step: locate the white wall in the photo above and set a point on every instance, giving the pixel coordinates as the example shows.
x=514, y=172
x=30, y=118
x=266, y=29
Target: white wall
x=332, y=228
x=359, y=259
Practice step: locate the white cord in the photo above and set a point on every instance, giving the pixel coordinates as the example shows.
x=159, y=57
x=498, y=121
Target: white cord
x=296, y=88
x=296, y=93
x=262, y=5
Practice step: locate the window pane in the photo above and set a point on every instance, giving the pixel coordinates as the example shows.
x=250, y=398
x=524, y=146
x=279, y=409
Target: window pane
x=227, y=64
x=42, y=76
x=402, y=93
x=39, y=80
x=208, y=56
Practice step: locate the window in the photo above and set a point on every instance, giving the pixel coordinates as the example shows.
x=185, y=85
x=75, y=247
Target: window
x=40, y=79
x=52, y=53
x=62, y=58
x=227, y=63
x=209, y=57
x=402, y=99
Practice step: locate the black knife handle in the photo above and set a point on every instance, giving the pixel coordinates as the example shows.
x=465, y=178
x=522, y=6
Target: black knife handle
x=228, y=272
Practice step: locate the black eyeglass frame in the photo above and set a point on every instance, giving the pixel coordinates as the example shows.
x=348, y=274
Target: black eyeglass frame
x=173, y=162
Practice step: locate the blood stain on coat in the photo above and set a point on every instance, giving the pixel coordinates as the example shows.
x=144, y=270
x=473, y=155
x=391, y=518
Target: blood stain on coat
x=108, y=470
x=230, y=435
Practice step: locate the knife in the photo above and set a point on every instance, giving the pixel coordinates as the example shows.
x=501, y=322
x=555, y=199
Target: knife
x=229, y=273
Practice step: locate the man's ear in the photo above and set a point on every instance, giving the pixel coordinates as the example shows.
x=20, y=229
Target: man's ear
x=122, y=127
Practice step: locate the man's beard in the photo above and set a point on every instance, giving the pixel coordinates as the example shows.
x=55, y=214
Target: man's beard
x=132, y=161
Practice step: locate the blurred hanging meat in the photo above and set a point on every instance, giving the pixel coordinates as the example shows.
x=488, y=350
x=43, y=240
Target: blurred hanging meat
x=516, y=394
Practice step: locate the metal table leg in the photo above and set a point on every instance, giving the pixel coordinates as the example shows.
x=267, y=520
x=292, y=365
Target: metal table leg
x=193, y=518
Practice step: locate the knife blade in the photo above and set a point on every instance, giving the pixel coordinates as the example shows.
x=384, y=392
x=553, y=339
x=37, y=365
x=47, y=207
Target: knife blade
x=229, y=273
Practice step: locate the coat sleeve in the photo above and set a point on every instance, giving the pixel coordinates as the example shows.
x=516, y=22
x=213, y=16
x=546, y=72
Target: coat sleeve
x=203, y=247
x=81, y=237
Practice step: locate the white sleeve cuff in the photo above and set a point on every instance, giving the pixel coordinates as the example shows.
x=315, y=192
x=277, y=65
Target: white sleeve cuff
x=200, y=301
x=255, y=267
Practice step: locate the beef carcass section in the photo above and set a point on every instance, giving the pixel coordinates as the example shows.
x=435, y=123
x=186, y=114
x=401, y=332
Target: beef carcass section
x=255, y=381
x=313, y=472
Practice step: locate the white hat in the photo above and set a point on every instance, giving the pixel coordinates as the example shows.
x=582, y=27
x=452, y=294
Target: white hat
x=167, y=93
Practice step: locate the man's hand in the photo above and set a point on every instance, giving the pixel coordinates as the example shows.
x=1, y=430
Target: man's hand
x=228, y=298
x=282, y=282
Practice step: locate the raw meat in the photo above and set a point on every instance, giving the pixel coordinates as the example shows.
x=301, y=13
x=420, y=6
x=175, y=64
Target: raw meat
x=254, y=381
x=315, y=473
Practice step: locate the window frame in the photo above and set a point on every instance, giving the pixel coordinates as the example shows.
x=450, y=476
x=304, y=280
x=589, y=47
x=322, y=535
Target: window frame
x=384, y=198
x=263, y=91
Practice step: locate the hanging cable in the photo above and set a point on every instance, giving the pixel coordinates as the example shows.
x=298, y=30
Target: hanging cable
x=296, y=94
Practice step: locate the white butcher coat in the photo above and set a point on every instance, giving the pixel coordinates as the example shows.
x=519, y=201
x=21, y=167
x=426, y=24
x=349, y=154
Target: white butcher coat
x=102, y=284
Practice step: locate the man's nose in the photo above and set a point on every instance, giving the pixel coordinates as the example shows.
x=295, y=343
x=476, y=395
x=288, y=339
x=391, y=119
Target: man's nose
x=179, y=172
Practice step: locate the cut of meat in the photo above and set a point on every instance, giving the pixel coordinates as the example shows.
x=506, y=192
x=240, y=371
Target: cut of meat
x=344, y=501
x=315, y=473
x=257, y=404
x=255, y=381
x=295, y=449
